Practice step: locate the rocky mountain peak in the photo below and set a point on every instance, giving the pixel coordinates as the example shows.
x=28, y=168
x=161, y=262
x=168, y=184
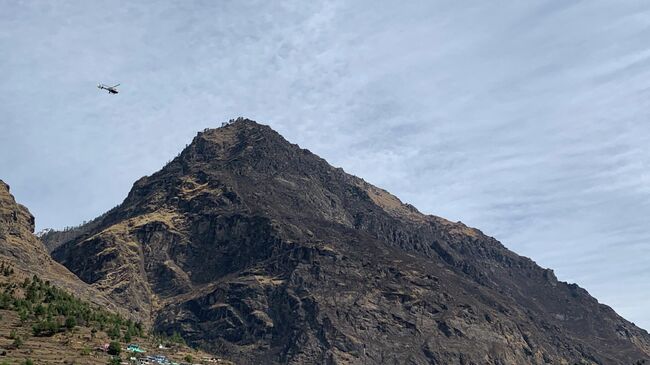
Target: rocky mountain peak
x=238, y=139
x=253, y=247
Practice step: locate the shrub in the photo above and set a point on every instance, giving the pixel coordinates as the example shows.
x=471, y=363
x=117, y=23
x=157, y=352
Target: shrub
x=45, y=328
x=114, y=348
x=114, y=332
x=28, y=362
x=177, y=338
x=39, y=310
x=115, y=360
x=23, y=314
x=18, y=342
x=7, y=269
x=70, y=323
x=189, y=358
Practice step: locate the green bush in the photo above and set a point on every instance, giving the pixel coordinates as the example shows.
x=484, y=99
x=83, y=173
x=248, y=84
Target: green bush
x=45, y=328
x=39, y=310
x=23, y=314
x=177, y=338
x=114, y=332
x=28, y=362
x=70, y=323
x=114, y=348
x=18, y=342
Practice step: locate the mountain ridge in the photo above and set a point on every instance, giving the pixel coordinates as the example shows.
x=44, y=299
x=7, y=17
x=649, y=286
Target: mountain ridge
x=251, y=246
x=24, y=251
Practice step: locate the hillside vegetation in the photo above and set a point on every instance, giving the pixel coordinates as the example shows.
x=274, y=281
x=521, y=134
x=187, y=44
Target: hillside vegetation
x=44, y=324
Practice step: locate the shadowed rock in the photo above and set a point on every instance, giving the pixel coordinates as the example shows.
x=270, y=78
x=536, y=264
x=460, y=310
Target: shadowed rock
x=253, y=247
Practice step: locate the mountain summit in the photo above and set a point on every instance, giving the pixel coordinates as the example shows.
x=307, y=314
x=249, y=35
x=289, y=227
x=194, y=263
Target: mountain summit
x=252, y=247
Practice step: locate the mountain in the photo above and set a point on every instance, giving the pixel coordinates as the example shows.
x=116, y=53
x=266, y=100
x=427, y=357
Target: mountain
x=52, y=238
x=22, y=250
x=254, y=248
x=47, y=314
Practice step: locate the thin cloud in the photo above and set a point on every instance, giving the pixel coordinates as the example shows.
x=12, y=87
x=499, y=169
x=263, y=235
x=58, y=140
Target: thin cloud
x=525, y=119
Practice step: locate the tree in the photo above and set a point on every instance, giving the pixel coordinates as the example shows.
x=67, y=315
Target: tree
x=114, y=332
x=23, y=314
x=114, y=348
x=45, y=328
x=139, y=329
x=70, y=323
x=18, y=342
x=39, y=310
x=177, y=338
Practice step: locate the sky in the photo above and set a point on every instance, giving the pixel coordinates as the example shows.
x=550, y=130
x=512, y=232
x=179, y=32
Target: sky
x=526, y=119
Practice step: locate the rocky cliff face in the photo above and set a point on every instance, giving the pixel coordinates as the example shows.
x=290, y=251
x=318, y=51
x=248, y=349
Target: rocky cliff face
x=252, y=247
x=22, y=250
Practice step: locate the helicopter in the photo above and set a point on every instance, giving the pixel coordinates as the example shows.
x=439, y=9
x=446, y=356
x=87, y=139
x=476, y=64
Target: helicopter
x=110, y=89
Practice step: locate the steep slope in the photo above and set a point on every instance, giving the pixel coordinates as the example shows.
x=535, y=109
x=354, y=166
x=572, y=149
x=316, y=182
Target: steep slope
x=47, y=314
x=253, y=247
x=21, y=249
x=52, y=239
x=46, y=324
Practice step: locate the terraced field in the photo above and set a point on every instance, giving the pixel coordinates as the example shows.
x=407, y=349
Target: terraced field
x=74, y=347
x=28, y=305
